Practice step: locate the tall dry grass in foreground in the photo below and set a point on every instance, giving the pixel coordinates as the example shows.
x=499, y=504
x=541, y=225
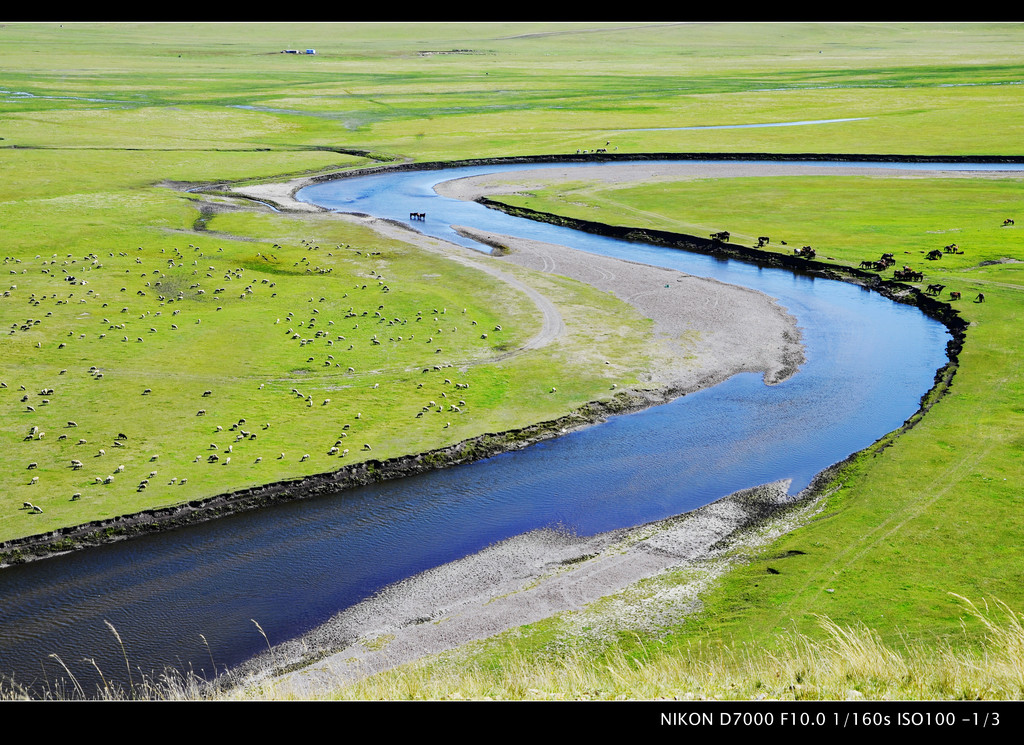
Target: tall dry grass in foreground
x=849, y=663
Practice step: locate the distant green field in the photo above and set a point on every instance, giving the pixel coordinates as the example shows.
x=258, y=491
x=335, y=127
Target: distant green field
x=96, y=120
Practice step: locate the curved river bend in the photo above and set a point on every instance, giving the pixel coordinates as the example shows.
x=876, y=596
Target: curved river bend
x=293, y=566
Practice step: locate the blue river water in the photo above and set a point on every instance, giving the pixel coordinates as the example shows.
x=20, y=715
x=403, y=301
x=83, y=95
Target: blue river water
x=191, y=598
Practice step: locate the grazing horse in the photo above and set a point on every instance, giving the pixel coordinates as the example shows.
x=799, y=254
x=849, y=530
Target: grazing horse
x=980, y=298
x=953, y=295
x=1008, y=221
x=907, y=275
x=933, y=255
x=806, y=251
x=721, y=236
x=935, y=289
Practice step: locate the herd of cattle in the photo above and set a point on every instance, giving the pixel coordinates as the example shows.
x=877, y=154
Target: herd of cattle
x=906, y=274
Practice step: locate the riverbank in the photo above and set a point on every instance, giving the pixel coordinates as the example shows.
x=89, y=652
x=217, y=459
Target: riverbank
x=535, y=576
x=706, y=331
x=578, y=557
x=526, y=579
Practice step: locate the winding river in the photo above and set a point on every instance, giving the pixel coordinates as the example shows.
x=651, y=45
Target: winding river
x=192, y=598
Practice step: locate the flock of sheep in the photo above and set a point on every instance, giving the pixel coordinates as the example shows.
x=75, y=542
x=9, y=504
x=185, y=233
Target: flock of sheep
x=340, y=344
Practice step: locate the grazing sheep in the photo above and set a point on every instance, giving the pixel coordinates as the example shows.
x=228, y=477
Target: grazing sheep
x=304, y=458
x=35, y=480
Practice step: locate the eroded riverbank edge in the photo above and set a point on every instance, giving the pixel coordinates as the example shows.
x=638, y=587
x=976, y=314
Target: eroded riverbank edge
x=100, y=532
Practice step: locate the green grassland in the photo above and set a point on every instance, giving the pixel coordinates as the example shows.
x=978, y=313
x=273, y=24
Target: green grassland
x=193, y=345
x=97, y=121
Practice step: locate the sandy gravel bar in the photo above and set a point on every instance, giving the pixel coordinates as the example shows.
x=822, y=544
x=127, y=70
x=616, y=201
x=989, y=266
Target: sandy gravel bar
x=519, y=581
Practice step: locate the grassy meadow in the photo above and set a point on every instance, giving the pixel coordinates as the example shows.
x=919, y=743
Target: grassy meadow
x=179, y=293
